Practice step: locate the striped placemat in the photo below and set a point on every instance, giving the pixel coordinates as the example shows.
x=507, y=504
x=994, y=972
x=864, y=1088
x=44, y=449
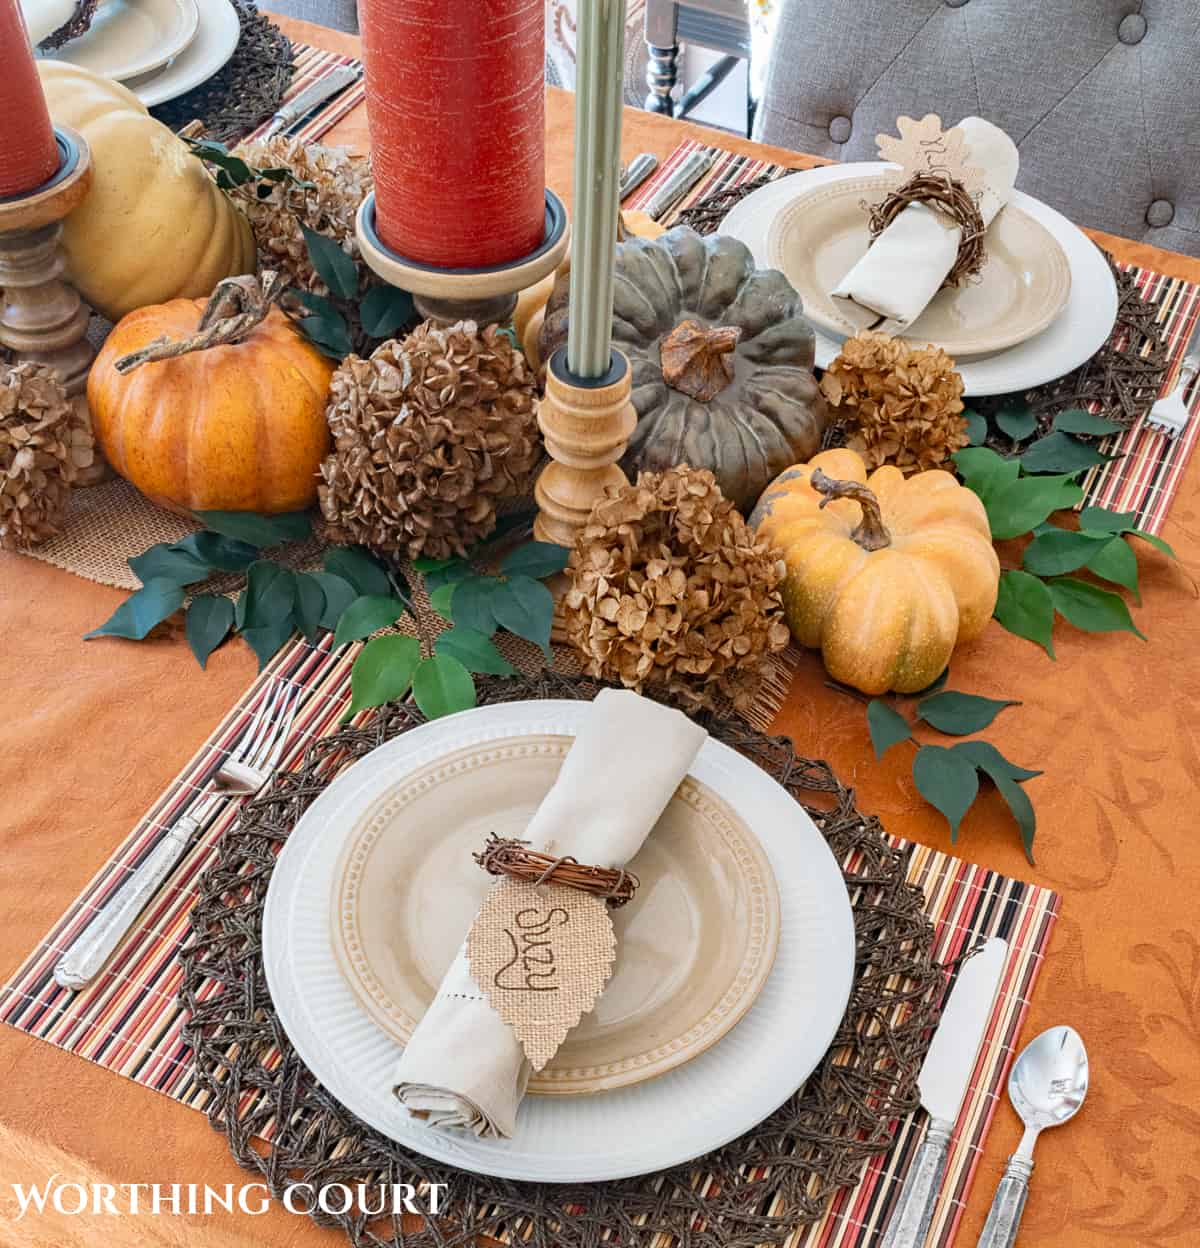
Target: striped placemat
x=311, y=65
x=1146, y=476
x=129, y=1020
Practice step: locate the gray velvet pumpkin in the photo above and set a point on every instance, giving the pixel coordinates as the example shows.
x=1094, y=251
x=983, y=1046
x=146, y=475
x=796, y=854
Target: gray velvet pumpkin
x=721, y=357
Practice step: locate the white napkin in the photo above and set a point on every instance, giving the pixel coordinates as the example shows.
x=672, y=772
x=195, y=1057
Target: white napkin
x=464, y=1066
x=905, y=267
x=44, y=17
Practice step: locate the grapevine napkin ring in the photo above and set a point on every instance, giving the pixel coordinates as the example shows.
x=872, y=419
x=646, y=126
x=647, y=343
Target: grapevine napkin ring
x=505, y=856
x=949, y=197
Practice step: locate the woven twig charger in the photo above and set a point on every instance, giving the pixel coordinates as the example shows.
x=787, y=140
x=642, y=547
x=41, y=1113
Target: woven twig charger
x=757, y=1190
x=247, y=91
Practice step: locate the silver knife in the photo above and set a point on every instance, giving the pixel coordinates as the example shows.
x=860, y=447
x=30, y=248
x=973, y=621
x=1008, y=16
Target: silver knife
x=636, y=172
x=687, y=173
x=312, y=95
x=943, y=1083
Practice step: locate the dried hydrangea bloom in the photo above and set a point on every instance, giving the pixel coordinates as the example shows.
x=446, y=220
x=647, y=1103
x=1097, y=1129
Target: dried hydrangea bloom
x=429, y=436
x=670, y=586
x=904, y=402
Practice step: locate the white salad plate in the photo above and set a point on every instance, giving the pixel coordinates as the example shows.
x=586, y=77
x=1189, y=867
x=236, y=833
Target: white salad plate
x=681, y=1114
x=128, y=38
x=1074, y=336
x=215, y=42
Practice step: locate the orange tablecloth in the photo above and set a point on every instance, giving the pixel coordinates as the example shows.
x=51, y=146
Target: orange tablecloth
x=95, y=731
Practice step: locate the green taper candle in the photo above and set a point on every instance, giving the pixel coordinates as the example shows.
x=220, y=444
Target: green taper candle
x=598, y=105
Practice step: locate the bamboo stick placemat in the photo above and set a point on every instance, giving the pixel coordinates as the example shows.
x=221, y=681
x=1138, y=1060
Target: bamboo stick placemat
x=1145, y=477
x=129, y=1020
x=311, y=65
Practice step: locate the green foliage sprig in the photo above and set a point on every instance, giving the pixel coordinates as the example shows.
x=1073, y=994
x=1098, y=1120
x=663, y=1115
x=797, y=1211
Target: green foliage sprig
x=230, y=171
x=1020, y=493
x=948, y=777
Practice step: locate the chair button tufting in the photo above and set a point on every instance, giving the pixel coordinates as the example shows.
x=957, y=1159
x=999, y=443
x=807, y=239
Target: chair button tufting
x=955, y=4
x=1161, y=212
x=1132, y=29
x=839, y=129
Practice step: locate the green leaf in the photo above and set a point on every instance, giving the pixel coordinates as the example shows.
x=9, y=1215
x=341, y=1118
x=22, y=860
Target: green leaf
x=472, y=604
x=441, y=597
x=400, y=586
x=985, y=472
x=140, y=612
x=384, y=310
x=339, y=594
x=988, y=759
x=960, y=714
x=887, y=726
x=423, y=563
x=1090, y=608
x=265, y=639
x=257, y=530
x=1155, y=541
x=442, y=686
x=166, y=563
x=1018, y=421
x=1022, y=811
x=1060, y=452
x=330, y=333
x=977, y=427
x=525, y=607
x=209, y=619
x=365, y=616
x=1101, y=520
x=321, y=306
x=269, y=598
x=225, y=553
x=336, y=269
x=946, y=781
x=383, y=671
x=536, y=559
x=309, y=604
x=1115, y=561
x=1025, y=608
x=459, y=570
x=474, y=650
x=1076, y=420
x=356, y=565
x=1059, y=550
x=1018, y=506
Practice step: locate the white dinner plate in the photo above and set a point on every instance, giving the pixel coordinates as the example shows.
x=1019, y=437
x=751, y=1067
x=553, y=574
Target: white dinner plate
x=682, y=1114
x=1078, y=332
x=215, y=42
x=128, y=38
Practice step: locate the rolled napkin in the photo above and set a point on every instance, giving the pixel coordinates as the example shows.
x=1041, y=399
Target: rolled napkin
x=906, y=265
x=464, y=1066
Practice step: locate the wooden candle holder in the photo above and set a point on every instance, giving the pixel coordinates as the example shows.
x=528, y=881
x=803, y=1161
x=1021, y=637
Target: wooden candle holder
x=42, y=317
x=447, y=296
x=586, y=425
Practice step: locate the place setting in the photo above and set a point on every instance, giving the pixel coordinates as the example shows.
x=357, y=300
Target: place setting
x=569, y=536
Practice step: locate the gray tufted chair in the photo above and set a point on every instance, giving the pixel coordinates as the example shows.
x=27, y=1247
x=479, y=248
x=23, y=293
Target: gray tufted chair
x=1102, y=97
x=338, y=14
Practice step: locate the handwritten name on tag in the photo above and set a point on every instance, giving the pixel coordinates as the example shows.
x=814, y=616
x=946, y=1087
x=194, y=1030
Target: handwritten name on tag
x=542, y=954
x=925, y=148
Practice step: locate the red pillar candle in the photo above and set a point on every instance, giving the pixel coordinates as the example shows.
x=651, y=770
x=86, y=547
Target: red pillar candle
x=28, y=152
x=456, y=106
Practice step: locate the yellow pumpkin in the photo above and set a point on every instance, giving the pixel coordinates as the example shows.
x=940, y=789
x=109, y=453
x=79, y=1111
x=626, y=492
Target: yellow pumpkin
x=233, y=427
x=886, y=574
x=154, y=226
x=530, y=311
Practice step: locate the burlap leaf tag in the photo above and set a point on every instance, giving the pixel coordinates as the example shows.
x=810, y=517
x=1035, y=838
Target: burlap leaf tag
x=542, y=954
x=925, y=148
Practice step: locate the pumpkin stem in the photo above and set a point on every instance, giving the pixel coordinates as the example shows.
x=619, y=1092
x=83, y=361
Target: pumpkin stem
x=697, y=360
x=237, y=306
x=871, y=533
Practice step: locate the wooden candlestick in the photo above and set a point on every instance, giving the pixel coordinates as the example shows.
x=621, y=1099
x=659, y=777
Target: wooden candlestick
x=42, y=317
x=586, y=424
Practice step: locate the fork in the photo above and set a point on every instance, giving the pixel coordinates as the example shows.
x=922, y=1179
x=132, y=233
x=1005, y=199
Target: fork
x=1169, y=414
x=243, y=773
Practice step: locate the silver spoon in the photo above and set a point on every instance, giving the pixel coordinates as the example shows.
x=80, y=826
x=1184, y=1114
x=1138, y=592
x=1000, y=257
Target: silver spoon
x=1047, y=1085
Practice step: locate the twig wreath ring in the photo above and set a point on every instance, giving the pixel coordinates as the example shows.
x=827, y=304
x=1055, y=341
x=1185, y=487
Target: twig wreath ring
x=505, y=856
x=951, y=198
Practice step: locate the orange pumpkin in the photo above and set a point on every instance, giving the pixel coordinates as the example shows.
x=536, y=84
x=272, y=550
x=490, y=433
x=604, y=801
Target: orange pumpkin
x=234, y=426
